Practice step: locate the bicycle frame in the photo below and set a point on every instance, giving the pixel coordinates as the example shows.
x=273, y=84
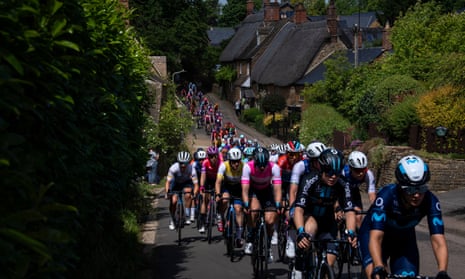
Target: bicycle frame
x=179, y=214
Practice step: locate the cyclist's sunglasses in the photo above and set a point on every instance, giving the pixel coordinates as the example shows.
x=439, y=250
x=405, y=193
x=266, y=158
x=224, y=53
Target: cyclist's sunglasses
x=212, y=155
x=356, y=170
x=182, y=165
x=234, y=161
x=412, y=190
x=330, y=172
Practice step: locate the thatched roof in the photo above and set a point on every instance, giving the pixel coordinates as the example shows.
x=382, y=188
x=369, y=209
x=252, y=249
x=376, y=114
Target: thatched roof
x=288, y=56
x=244, y=40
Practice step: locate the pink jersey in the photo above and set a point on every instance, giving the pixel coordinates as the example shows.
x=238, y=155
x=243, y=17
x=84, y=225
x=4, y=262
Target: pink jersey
x=260, y=180
x=210, y=170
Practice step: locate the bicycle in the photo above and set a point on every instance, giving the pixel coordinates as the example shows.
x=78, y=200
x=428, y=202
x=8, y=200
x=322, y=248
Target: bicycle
x=211, y=214
x=346, y=252
x=230, y=227
x=315, y=261
x=260, y=245
x=283, y=227
x=179, y=214
x=396, y=276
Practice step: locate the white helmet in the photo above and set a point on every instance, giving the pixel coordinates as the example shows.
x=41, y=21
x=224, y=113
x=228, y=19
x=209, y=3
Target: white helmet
x=282, y=149
x=234, y=154
x=201, y=154
x=358, y=160
x=314, y=149
x=184, y=157
x=412, y=171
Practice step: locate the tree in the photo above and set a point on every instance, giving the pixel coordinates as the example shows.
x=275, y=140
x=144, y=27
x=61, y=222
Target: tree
x=273, y=103
x=233, y=13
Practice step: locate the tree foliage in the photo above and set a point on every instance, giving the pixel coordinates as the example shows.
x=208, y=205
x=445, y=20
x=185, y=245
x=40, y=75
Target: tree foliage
x=319, y=121
x=177, y=29
x=71, y=118
x=273, y=103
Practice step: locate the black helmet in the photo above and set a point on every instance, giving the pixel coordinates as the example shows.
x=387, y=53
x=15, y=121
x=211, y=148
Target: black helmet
x=331, y=161
x=412, y=171
x=261, y=157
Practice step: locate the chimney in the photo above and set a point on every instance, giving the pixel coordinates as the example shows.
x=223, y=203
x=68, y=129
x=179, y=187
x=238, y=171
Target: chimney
x=271, y=11
x=250, y=7
x=387, y=45
x=300, y=14
x=332, y=21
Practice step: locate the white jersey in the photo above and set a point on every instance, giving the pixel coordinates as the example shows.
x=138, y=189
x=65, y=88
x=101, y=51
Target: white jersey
x=189, y=175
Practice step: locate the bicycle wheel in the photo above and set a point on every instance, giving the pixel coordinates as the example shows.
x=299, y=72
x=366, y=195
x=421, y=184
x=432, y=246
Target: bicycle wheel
x=180, y=219
x=197, y=210
x=210, y=218
x=310, y=263
x=325, y=271
x=341, y=260
x=282, y=237
x=262, y=252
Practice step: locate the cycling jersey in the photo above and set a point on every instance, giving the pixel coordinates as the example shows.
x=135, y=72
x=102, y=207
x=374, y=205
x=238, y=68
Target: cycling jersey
x=318, y=199
x=231, y=178
x=388, y=214
x=355, y=184
x=260, y=180
x=181, y=179
x=210, y=173
x=300, y=168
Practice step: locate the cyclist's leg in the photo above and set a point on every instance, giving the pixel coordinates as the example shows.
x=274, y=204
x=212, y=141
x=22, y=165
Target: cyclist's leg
x=405, y=260
x=203, y=211
x=188, y=204
x=251, y=223
x=239, y=221
x=310, y=227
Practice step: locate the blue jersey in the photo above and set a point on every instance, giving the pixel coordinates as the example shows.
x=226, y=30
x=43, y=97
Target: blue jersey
x=388, y=214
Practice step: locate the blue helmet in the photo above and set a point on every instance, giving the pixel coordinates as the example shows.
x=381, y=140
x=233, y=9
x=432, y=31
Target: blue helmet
x=261, y=157
x=331, y=161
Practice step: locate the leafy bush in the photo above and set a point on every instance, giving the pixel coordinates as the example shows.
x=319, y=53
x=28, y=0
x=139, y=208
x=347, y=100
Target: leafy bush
x=444, y=106
x=319, y=121
x=71, y=119
x=252, y=115
x=400, y=117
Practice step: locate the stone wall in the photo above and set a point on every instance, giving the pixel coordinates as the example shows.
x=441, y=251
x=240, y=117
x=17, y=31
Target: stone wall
x=446, y=174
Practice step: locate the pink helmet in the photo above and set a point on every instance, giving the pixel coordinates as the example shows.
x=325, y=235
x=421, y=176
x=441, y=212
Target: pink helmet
x=212, y=150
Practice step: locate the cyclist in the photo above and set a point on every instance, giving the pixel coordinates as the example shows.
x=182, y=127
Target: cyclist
x=388, y=231
x=286, y=163
x=248, y=154
x=319, y=193
x=199, y=156
x=302, y=167
x=182, y=176
x=274, y=152
x=355, y=173
x=261, y=189
x=207, y=181
x=228, y=184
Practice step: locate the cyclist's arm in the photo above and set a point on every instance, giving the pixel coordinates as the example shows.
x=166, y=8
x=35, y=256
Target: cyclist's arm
x=371, y=185
x=245, y=184
x=195, y=181
x=374, y=245
x=277, y=183
x=219, y=180
x=439, y=244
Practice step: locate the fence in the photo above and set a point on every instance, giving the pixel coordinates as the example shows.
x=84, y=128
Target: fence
x=431, y=139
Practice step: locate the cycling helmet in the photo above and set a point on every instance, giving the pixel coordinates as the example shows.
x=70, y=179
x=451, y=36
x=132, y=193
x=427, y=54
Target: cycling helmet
x=282, y=149
x=248, y=151
x=331, y=161
x=234, y=154
x=294, y=146
x=273, y=147
x=184, y=157
x=201, y=155
x=358, y=160
x=314, y=149
x=412, y=171
x=261, y=157
x=212, y=150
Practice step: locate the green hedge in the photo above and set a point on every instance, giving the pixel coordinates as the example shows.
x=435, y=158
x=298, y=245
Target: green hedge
x=71, y=120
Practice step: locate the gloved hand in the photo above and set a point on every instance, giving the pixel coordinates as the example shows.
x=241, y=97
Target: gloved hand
x=442, y=275
x=380, y=272
x=303, y=235
x=202, y=189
